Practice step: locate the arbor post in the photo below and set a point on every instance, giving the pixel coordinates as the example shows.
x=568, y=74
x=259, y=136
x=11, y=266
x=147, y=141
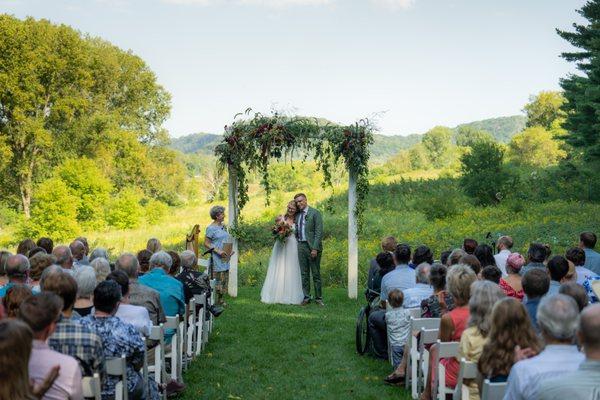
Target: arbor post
x=232, y=222
x=352, y=238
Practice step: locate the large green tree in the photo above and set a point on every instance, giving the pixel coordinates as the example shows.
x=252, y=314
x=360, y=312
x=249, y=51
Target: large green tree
x=545, y=110
x=64, y=95
x=583, y=91
x=437, y=143
x=467, y=135
x=535, y=147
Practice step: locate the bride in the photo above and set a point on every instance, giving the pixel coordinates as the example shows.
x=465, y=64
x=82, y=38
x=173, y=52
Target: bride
x=283, y=283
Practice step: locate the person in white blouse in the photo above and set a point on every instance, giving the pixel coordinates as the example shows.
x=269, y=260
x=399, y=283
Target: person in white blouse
x=505, y=244
x=135, y=315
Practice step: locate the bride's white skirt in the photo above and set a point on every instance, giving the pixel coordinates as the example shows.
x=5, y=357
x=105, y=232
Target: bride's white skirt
x=283, y=283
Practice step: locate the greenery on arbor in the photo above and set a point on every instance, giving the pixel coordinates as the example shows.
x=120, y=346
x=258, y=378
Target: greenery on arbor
x=250, y=145
x=64, y=95
x=581, y=91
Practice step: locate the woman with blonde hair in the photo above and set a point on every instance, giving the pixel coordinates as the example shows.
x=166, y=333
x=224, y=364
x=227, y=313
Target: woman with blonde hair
x=153, y=245
x=511, y=330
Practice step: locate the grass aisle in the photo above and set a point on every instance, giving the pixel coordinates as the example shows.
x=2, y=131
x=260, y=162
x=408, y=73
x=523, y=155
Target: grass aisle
x=260, y=351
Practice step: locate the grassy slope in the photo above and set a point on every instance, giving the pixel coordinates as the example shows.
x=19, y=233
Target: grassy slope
x=260, y=351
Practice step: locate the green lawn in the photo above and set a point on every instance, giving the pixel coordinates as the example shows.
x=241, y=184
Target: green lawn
x=260, y=351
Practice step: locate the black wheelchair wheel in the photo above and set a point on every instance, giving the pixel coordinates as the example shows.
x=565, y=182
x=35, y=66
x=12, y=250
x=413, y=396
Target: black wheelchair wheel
x=362, y=331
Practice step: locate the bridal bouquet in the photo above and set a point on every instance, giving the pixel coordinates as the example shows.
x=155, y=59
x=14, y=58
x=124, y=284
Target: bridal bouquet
x=281, y=230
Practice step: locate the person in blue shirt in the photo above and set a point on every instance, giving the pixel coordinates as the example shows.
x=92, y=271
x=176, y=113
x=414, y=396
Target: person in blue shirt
x=17, y=271
x=535, y=283
x=169, y=288
x=587, y=241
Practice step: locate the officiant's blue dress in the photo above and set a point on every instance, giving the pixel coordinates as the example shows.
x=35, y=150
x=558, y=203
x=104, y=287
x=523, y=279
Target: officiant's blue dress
x=218, y=236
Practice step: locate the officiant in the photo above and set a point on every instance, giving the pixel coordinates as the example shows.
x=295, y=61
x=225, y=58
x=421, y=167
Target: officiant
x=216, y=239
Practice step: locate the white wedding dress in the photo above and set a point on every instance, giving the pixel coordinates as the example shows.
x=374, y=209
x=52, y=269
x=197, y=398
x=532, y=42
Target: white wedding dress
x=283, y=283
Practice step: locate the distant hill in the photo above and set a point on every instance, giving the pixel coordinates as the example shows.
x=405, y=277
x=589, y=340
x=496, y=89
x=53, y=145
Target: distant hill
x=384, y=146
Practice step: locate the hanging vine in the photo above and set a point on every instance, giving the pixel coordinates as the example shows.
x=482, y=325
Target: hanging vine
x=250, y=144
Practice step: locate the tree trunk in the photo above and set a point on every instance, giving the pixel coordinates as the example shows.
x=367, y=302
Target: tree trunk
x=25, y=189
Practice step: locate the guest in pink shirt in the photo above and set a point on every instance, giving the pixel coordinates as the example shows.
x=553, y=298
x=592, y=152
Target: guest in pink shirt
x=41, y=313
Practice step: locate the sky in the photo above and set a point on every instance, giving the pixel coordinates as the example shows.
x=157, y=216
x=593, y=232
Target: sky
x=409, y=64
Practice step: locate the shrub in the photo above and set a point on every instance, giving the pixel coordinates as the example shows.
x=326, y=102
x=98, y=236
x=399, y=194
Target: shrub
x=124, y=210
x=155, y=210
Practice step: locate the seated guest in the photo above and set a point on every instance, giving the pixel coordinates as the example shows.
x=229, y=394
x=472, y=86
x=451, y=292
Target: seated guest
x=3, y=258
x=385, y=264
x=557, y=318
x=140, y=295
x=535, y=285
x=41, y=312
x=469, y=246
x=35, y=251
x=153, y=245
x=99, y=252
x=484, y=294
x=397, y=319
x=485, y=255
x=169, y=288
x=46, y=243
x=577, y=292
x=86, y=283
x=78, y=252
x=536, y=255
x=176, y=265
x=453, y=323
x=16, y=295
x=388, y=244
x=510, y=328
x=422, y=289
x=17, y=270
x=444, y=257
x=143, y=257
x=25, y=247
x=38, y=263
x=511, y=283
x=134, y=315
x=491, y=273
x=101, y=267
x=471, y=261
x=194, y=281
x=84, y=260
x=64, y=258
x=582, y=383
x=577, y=257
x=587, y=241
x=571, y=275
x=421, y=255
x=119, y=338
x=558, y=267
x=504, y=246
x=440, y=301
x=455, y=256
x=402, y=277
x=70, y=337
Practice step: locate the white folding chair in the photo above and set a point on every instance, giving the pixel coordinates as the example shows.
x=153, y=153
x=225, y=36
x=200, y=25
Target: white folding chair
x=175, y=354
x=412, y=356
x=415, y=312
x=427, y=337
x=91, y=387
x=468, y=370
x=160, y=374
x=493, y=391
x=183, y=339
x=445, y=350
x=190, y=331
x=118, y=367
x=200, y=323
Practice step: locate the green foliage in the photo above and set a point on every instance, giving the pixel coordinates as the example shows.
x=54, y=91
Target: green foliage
x=437, y=144
x=467, y=135
x=155, y=211
x=501, y=128
x=125, y=211
x=484, y=177
x=545, y=109
x=535, y=147
x=440, y=201
x=581, y=91
x=86, y=182
x=419, y=159
x=54, y=212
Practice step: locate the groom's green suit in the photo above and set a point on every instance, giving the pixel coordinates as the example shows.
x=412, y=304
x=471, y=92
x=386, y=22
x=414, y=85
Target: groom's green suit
x=309, y=232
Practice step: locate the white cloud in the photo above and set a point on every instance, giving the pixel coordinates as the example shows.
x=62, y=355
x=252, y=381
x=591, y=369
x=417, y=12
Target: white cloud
x=263, y=3
x=395, y=4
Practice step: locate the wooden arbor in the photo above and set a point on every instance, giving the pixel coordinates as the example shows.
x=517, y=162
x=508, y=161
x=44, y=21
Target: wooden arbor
x=251, y=143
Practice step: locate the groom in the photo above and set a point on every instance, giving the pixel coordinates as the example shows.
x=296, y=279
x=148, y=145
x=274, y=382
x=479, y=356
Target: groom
x=309, y=232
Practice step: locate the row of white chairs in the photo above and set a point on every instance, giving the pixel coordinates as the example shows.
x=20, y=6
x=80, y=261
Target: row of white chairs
x=191, y=333
x=418, y=364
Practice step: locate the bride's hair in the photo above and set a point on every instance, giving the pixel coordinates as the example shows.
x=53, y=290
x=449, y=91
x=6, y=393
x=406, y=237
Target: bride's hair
x=288, y=206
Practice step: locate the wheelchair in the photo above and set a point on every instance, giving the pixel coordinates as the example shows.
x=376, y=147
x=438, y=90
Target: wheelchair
x=363, y=340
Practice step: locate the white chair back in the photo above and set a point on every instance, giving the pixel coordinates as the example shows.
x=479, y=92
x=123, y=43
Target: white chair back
x=445, y=350
x=415, y=312
x=200, y=323
x=118, y=367
x=493, y=391
x=190, y=330
x=175, y=354
x=412, y=357
x=91, y=387
x=468, y=370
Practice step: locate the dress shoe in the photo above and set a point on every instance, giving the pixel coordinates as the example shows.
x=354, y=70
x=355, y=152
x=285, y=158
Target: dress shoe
x=174, y=387
x=320, y=302
x=305, y=301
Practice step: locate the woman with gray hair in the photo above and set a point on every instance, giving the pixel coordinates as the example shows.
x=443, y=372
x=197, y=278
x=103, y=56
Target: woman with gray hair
x=101, y=267
x=86, y=283
x=484, y=294
x=216, y=237
x=99, y=252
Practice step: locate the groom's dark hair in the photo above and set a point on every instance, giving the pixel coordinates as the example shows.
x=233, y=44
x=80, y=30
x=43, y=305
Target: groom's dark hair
x=300, y=195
